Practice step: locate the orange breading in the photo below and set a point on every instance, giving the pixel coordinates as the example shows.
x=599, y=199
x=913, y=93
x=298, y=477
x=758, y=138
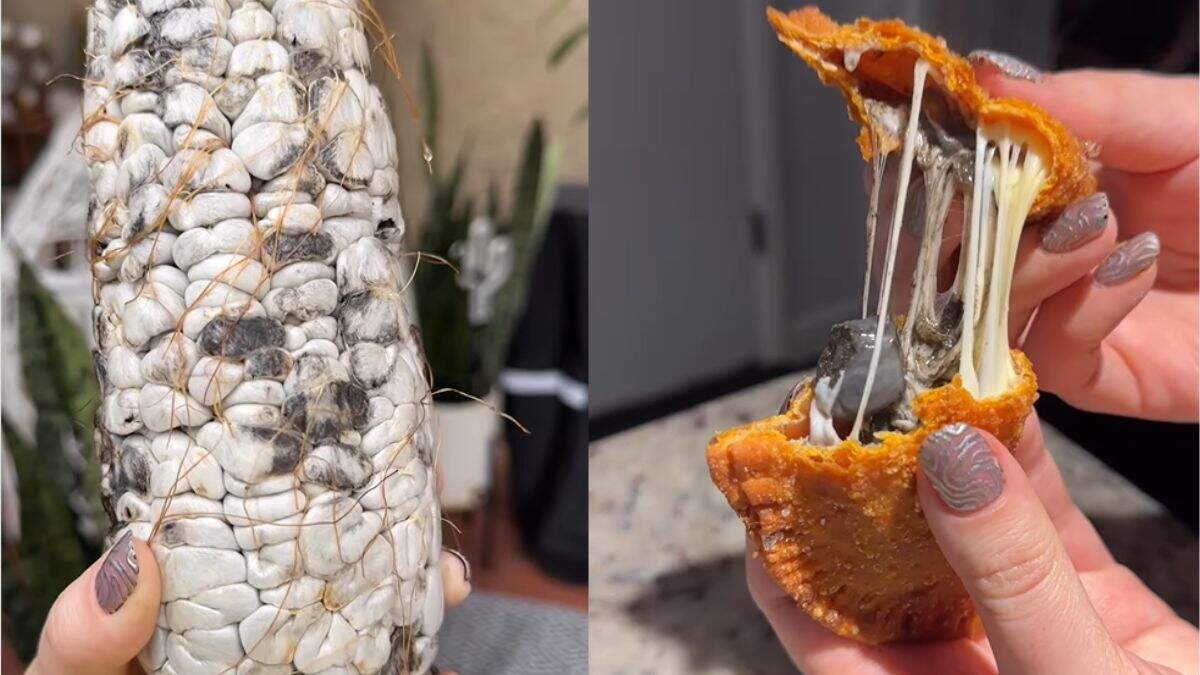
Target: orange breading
x=839, y=528
x=889, y=49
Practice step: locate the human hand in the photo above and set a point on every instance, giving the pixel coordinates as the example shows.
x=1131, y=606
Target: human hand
x=106, y=616
x=1050, y=595
x=1109, y=329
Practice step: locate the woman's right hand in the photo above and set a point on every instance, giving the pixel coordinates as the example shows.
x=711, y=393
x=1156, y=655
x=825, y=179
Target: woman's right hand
x=1113, y=327
x=1051, y=596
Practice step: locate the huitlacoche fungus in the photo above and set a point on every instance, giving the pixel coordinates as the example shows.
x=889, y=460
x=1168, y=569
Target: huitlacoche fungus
x=266, y=417
x=871, y=371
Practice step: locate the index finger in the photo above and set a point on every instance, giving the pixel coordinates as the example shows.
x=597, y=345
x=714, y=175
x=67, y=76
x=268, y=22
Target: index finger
x=1144, y=123
x=997, y=537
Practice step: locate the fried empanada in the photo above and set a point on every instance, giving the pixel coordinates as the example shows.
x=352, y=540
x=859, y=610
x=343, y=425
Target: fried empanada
x=830, y=503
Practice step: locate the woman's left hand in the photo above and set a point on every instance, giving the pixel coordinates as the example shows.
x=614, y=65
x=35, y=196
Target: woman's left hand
x=1051, y=596
x=100, y=623
x=106, y=616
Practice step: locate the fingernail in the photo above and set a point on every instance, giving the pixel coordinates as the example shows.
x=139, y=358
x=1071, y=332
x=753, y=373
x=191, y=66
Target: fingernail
x=1128, y=259
x=961, y=468
x=1078, y=224
x=118, y=574
x=465, y=563
x=1007, y=64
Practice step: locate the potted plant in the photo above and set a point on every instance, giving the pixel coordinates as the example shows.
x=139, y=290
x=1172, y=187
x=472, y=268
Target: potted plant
x=469, y=304
x=59, y=523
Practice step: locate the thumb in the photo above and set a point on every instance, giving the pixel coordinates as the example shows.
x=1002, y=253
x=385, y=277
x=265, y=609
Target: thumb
x=999, y=540
x=104, y=618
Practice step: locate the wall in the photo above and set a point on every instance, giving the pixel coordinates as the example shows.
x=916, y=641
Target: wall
x=668, y=291
x=491, y=59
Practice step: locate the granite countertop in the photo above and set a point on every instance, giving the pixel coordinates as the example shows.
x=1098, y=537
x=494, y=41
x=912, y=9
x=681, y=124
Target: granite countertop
x=667, y=591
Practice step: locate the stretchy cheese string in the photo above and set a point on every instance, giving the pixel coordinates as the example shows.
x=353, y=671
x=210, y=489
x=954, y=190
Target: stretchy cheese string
x=914, y=112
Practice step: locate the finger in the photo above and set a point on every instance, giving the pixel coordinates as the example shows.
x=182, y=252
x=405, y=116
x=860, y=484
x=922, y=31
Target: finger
x=104, y=618
x=997, y=537
x=1066, y=341
x=1123, y=602
x=1080, y=539
x=1050, y=258
x=815, y=649
x=1111, y=108
x=456, y=577
x=1155, y=202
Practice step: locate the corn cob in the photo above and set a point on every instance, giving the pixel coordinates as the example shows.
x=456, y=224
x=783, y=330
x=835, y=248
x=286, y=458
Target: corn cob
x=265, y=412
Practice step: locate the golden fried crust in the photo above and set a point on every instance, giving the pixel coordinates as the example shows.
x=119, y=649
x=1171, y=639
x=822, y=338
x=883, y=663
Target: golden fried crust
x=889, y=49
x=839, y=528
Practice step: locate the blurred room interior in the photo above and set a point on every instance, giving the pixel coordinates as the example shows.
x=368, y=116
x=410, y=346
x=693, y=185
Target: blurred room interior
x=514, y=502
x=722, y=261
x=738, y=242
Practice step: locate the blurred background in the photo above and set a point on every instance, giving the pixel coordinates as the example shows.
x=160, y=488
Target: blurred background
x=498, y=92
x=731, y=197
x=729, y=208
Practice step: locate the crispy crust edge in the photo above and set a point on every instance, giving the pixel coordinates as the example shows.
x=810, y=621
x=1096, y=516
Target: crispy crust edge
x=821, y=42
x=1003, y=416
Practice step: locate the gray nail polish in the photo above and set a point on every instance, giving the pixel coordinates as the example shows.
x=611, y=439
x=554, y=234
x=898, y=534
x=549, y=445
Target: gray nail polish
x=1007, y=64
x=118, y=575
x=961, y=468
x=1078, y=224
x=1128, y=259
x=463, y=559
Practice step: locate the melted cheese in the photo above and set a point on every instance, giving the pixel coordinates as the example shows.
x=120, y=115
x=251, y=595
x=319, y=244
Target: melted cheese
x=820, y=419
x=1008, y=172
x=1017, y=173
x=906, y=160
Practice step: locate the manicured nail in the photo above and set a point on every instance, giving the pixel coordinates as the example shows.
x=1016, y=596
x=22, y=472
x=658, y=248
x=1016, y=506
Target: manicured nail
x=1128, y=259
x=1078, y=224
x=1007, y=64
x=961, y=468
x=118, y=574
x=463, y=559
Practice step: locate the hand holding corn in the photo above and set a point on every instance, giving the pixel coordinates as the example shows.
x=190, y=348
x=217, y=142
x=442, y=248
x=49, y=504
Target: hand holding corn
x=265, y=414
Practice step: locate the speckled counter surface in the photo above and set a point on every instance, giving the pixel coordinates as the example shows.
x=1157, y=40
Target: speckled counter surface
x=666, y=587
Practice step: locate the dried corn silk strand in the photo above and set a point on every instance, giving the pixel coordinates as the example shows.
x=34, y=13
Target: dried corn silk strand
x=265, y=414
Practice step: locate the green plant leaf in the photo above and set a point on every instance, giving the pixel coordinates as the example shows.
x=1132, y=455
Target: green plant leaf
x=567, y=44
x=493, y=201
x=429, y=97
x=60, y=378
x=532, y=199
x=442, y=305
x=49, y=555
